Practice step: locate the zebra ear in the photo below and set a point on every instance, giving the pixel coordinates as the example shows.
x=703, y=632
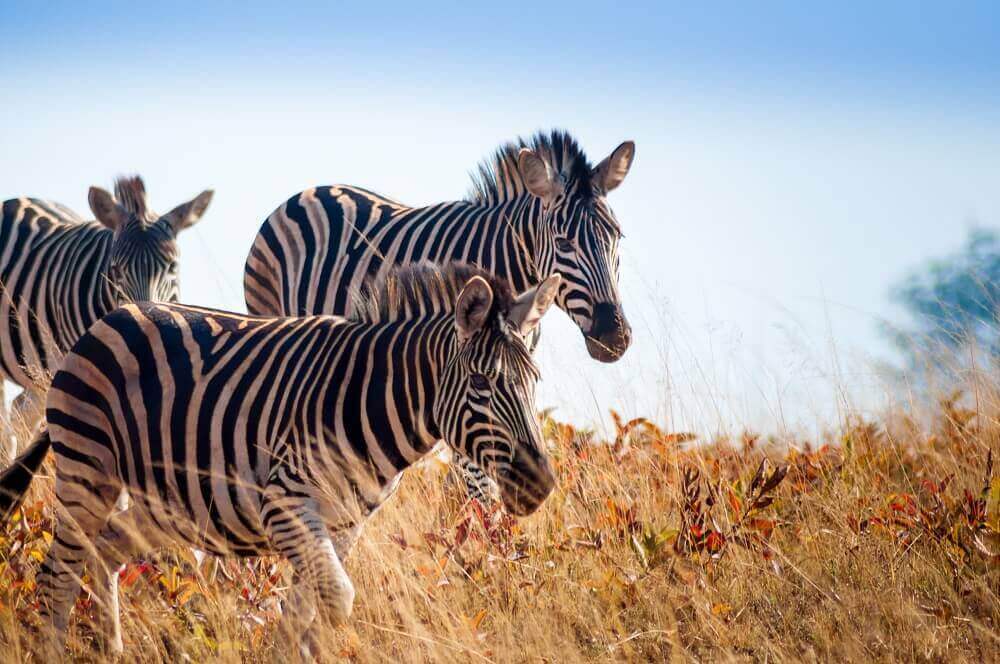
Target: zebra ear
x=473, y=307
x=531, y=305
x=610, y=172
x=187, y=214
x=537, y=175
x=106, y=209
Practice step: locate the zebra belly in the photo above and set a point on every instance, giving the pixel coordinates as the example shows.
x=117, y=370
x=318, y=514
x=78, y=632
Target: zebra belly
x=214, y=521
x=154, y=529
x=220, y=516
x=161, y=508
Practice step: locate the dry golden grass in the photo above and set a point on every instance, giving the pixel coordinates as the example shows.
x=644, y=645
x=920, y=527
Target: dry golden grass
x=880, y=544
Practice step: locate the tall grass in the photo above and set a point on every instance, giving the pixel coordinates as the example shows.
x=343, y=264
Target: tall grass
x=879, y=541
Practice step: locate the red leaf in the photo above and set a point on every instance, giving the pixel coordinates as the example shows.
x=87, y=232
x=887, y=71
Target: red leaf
x=734, y=501
x=715, y=541
x=763, y=526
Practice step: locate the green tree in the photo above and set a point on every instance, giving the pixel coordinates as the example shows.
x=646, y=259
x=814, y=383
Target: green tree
x=952, y=301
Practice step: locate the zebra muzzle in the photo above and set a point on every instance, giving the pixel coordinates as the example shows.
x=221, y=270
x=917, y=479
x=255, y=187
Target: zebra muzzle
x=610, y=334
x=526, y=485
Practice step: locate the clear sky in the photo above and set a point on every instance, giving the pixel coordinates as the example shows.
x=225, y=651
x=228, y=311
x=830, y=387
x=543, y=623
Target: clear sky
x=792, y=160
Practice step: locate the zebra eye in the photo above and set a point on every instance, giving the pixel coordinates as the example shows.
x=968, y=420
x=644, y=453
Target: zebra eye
x=565, y=245
x=479, y=382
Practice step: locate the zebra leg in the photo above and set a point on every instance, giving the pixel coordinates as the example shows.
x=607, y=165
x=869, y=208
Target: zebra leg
x=127, y=535
x=80, y=516
x=123, y=538
x=477, y=483
x=8, y=442
x=105, y=587
x=300, y=613
x=26, y=413
x=301, y=601
x=344, y=540
x=297, y=532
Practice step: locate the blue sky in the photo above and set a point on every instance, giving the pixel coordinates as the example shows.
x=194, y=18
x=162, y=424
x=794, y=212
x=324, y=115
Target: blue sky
x=792, y=162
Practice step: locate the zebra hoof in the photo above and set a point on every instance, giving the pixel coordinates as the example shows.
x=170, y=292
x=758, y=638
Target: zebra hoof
x=309, y=649
x=116, y=647
x=339, y=608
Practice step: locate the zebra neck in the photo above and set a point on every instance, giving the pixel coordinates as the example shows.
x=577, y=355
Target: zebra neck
x=82, y=302
x=105, y=300
x=416, y=381
x=502, y=239
x=436, y=347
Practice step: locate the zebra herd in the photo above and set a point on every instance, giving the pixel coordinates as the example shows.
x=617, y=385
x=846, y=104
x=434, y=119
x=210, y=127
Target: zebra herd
x=375, y=331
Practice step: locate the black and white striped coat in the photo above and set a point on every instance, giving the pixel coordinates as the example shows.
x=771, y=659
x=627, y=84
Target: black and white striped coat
x=249, y=435
x=538, y=207
x=60, y=274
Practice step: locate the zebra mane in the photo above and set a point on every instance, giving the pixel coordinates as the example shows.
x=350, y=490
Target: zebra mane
x=131, y=193
x=498, y=178
x=422, y=289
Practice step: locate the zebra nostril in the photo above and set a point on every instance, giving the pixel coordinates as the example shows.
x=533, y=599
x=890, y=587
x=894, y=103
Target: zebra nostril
x=602, y=319
x=610, y=334
x=528, y=483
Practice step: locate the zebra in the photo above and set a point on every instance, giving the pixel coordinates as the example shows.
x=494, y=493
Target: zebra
x=246, y=435
x=536, y=207
x=60, y=274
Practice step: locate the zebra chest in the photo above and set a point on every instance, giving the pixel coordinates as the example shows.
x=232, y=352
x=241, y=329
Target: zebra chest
x=389, y=489
x=346, y=499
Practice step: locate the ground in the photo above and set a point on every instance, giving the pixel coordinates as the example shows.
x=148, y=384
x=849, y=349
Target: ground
x=878, y=542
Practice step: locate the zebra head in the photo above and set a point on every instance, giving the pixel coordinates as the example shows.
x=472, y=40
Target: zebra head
x=143, y=261
x=578, y=236
x=486, y=407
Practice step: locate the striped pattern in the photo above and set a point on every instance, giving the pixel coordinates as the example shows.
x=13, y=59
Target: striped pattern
x=52, y=272
x=325, y=242
x=243, y=435
x=59, y=274
x=537, y=207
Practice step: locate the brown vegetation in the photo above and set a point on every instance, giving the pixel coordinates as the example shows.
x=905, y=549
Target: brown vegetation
x=879, y=543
